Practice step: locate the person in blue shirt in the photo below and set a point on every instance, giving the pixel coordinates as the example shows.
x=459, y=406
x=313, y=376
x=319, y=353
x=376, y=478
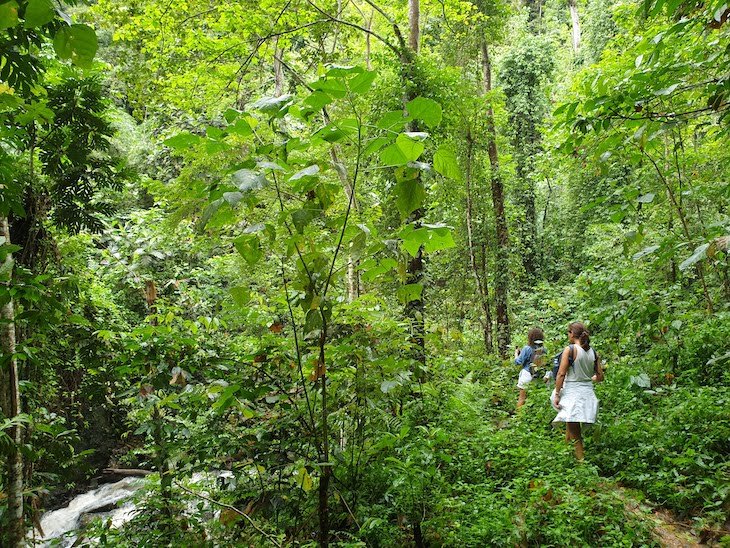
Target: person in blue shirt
x=525, y=357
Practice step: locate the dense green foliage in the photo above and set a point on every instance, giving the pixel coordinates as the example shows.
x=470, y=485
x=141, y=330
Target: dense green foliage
x=266, y=239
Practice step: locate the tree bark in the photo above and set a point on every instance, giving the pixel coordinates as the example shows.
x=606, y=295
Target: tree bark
x=501, y=269
x=10, y=395
x=573, y=5
x=414, y=15
x=415, y=310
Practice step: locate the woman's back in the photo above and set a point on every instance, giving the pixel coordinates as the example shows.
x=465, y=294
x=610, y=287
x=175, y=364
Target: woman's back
x=583, y=365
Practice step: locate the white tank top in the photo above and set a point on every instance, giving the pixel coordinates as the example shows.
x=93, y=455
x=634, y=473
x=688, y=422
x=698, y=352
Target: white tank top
x=583, y=365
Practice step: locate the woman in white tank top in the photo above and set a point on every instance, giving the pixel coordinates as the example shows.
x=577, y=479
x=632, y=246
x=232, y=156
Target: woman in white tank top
x=573, y=397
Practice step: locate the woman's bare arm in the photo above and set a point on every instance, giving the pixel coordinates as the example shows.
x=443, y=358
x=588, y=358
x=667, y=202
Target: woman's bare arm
x=562, y=370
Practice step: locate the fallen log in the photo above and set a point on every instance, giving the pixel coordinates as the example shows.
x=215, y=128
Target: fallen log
x=126, y=472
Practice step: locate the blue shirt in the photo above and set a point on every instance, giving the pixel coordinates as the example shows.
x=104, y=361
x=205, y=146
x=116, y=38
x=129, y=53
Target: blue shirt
x=525, y=357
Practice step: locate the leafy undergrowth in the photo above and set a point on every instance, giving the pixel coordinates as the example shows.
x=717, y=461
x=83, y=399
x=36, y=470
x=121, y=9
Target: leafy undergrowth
x=458, y=467
x=671, y=442
x=480, y=477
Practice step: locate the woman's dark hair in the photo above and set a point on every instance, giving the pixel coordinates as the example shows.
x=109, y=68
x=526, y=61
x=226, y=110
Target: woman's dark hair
x=535, y=334
x=579, y=331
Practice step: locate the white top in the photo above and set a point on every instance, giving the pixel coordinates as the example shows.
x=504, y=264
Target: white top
x=583, y=365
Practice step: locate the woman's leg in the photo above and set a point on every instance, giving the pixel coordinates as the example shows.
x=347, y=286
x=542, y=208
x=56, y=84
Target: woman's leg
x=573, y=432
x=523, y=397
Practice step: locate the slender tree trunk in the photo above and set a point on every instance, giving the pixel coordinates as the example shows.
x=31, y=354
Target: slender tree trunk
x=479, y=277
x=678, y=207
x=573, y=5
x=501, y=267
x=10, y=394
x=278, y=69
x=367, y=40
x=414, y=15
x=415, y=310
x=324, y=479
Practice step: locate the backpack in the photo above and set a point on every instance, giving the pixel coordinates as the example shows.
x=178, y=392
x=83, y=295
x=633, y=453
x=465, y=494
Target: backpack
x=538, y=360
x=558, y=357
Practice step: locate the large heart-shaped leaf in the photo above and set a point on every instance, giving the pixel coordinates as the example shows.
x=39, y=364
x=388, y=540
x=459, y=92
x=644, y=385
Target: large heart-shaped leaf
x=77, y=43
x=8, y=15
x=38, y=13
x=427, y=110
x=445, y=163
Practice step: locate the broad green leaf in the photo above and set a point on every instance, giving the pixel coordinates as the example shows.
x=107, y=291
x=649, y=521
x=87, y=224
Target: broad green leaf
x=304, y=480
x=438, y=239
x=273, y=166
x=410, y=195
x=274, y=106
x=79, y=320
x=249, y=247
x=210, y=210
x=241, y=127
x=241, y=295
x=182, y=140
x=393, y=120
x=411, y=149
x=641, y=380
x=318, y=100
x=374, y=146
x=38, y=13
x=427, y=110
x=309, y=171
x=312, y=323
x=393, y=156
x=386, y=265
x=331, y=86
x=361, y=83
x=388, y=385
x=409, y=292
x=77, y=43
x=302, y=217
x=337, y=131
x=339, y=71
x=231, y=114
x=8, y=15
x=214, y=132
x=646, y=198
x=233, y=198
x=226, y=398
x=413, y=239
x=246, y=179
x=699, y=254
x=445, y=163
x=666, y=91
x=644, y=252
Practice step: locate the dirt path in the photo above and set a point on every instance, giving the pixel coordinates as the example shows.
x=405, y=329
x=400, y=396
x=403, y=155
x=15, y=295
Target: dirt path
x=666, y=529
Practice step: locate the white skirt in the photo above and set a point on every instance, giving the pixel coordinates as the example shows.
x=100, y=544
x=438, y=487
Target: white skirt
x=524, y=380
x=578, y=403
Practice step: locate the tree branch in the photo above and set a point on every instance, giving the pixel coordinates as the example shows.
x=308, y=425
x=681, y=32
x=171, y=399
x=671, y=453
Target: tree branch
x=233, y=509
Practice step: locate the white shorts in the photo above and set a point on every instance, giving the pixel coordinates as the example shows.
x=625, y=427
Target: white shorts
x=524, y=379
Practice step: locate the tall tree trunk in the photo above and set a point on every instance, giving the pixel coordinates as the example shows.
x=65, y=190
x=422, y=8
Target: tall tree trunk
x=479, y=277
x=501, y=267
x=10, y=394
x=414, y=23
x=573, y=5
x=415, y=310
